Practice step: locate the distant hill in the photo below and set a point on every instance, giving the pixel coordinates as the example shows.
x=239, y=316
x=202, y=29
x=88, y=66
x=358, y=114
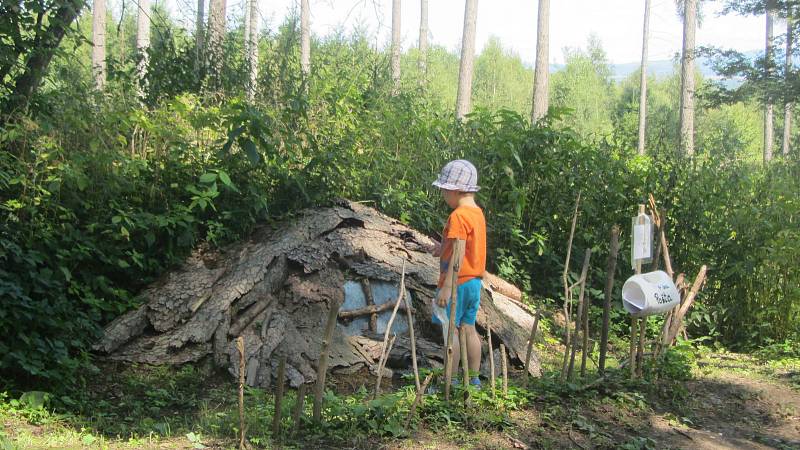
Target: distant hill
x=660, y=68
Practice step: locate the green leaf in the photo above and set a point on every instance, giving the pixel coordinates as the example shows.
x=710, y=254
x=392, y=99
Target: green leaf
x=226, y=180
x=208, y=177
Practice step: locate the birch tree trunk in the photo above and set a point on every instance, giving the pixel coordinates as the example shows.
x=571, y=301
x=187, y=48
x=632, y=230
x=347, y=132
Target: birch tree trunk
x=99, y=43
x=423, y=41
x=643, y=79
x=542, y=70
x=143, y=41
x=467, y=57
x=787, y=106
x=395, y=47
x=687, y=78
x=216, y=32
x=199, y=36
x=768, y=107
x=305, y=38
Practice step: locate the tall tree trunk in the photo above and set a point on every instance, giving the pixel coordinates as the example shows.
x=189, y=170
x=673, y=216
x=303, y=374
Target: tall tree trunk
x=423, y=40
x=199, y=36
x=542, y=70
x=395, y=47
x=305, y=38
x=252, y=49
x=40, y=56
x=687, y=78
x=768, y=107
x=643, y=79
x=787, y=106
x=467, y=57
x=216, y=33
x=142, y=41
x=99, y=43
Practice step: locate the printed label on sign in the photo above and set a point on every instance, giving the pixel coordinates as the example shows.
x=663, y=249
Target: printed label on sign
x=641, y=241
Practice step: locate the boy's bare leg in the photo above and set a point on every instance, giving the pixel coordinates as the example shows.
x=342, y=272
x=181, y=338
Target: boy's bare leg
x=473, y=347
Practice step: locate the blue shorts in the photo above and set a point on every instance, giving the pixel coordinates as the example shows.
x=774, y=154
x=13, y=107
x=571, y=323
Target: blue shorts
x=469, y=300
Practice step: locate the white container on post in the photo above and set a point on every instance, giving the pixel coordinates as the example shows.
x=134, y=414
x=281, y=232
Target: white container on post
x=650, y=293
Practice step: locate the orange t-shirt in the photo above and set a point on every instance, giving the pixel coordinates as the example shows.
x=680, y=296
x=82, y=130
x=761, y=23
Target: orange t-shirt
x=466, y=223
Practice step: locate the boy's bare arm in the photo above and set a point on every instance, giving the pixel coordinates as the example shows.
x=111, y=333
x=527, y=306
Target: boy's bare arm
x=459, y=247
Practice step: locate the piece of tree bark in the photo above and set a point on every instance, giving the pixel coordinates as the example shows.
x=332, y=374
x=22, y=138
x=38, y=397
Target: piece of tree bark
x=305, y=38
x=643, y=79
x=687, y=77
x=463, y=98
x=542, y=69
x=99, y=43
x=322, y=369
x=611, y=268
x=502, y=286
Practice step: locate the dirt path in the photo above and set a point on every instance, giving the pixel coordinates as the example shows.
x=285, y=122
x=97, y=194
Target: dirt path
x=733, y=407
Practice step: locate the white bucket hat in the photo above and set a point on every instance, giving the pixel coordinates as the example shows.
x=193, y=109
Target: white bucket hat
x=458, y=175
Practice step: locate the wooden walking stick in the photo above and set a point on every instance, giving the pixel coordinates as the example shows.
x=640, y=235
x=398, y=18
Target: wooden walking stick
x=611, y=267
x=322, y=368
x=455, y=263
x=276, y=418
x=240, y=347
x=491, y=361
x=568, y=293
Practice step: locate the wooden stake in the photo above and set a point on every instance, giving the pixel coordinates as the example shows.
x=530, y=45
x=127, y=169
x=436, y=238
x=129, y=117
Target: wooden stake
x=584, y=299
x=240, y=347
x=491, y=361
x=532, y=338
x=632, y=362
x=410, y=319
x=611, y=268
x=568, y=292
x=417, y=399
x=504, y=365
x=322, y=367
x=384, y=354
x=640, y=347
x=276, y=418
x=382, y=365
x=373, y=318
x=458, y=249
x=298, y=409
x=677, y=320
x=579, y=317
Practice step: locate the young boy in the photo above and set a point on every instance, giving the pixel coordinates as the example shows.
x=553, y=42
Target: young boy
x=466, y=226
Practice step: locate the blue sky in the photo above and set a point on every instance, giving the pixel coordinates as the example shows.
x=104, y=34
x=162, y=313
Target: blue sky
x=618, y=24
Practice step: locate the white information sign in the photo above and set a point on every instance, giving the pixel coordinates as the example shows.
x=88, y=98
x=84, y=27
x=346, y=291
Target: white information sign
x=641, y=240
